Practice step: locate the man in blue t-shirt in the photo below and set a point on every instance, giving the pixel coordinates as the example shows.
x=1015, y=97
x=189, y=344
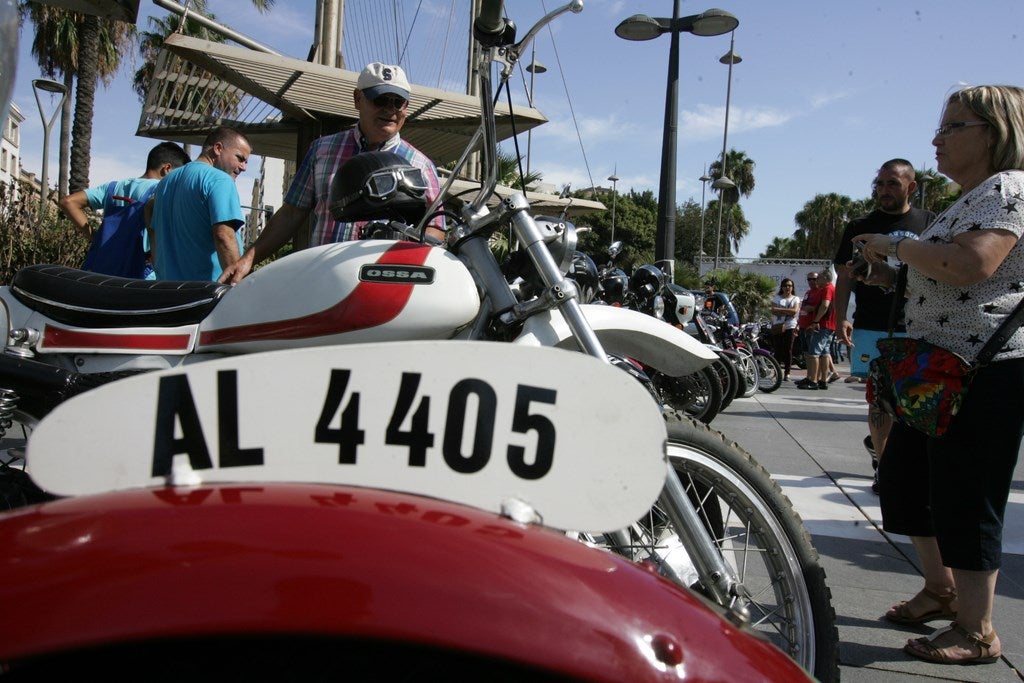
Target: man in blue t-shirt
x=162, y=159
x=196, y=211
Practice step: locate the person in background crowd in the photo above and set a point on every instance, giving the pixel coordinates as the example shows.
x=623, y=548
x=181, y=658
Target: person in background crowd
x=196, y=212
x=820, y=328
x=892, y=189
x=106, y=258
x=964, y=278
x=784, y=308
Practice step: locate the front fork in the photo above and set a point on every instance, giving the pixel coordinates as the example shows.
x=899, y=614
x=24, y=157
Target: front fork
x=715, y=573
x=717, y=576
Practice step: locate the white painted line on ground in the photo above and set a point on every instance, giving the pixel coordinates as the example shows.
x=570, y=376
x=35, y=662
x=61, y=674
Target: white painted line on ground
x=826, y=511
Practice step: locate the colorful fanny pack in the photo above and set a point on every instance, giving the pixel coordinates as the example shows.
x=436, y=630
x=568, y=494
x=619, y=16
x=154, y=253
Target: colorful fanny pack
x=921, y=384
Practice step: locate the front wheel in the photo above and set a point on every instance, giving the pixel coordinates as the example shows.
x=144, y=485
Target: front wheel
x=698, y=394
x=746, y=366
x=769, y=373
x=757, y=532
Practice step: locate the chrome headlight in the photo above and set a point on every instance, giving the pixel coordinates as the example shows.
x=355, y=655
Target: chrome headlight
x=658, y=306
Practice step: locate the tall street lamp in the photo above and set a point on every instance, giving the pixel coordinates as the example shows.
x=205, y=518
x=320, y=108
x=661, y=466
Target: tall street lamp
x=45, y=84
x=729, y=58
x=534, y=68
x=614, y=178
x=703, y=186
x=712, y=22
x=723, y=185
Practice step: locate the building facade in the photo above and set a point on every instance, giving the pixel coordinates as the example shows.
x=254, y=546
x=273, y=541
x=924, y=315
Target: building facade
x=10, y=149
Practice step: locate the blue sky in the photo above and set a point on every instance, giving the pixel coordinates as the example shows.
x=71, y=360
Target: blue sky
x=825, y=93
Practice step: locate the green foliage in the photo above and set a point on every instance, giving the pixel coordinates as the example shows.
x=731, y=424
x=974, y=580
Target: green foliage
x=785, y=248
x=688, y=234
x=509, y=167
x=739, y=168
x=821, y=223
x=25, y=239
x=635, y=220
x=934, y=191
x=751, y=293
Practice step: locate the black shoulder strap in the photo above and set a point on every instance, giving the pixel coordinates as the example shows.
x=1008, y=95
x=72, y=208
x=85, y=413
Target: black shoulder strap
x=897, y=299
x=1002, y=334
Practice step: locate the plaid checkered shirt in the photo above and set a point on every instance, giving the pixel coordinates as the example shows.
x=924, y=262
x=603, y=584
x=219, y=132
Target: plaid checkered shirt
x=310, y=189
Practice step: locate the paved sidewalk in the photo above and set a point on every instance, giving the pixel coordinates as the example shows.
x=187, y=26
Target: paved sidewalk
x=811, y=442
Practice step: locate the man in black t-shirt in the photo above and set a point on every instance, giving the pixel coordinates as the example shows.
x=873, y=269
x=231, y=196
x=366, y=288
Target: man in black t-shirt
x=893, y=186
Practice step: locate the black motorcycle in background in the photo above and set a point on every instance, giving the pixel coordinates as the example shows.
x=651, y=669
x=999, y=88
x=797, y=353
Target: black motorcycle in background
x=701, y=395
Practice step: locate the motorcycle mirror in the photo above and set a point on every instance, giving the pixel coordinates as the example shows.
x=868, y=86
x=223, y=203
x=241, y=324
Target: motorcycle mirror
x=615, y=249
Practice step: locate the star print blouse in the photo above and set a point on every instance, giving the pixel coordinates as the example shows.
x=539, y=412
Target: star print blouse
x=962, y=319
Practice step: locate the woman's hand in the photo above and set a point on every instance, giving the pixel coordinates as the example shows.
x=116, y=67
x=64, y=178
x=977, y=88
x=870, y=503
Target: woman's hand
x=875, y=247
x=880, y=275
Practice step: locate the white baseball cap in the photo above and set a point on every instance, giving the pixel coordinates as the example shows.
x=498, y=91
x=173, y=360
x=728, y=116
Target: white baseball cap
x=379, y=79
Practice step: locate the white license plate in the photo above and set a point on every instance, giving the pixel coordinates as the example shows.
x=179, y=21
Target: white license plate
x=483, y=424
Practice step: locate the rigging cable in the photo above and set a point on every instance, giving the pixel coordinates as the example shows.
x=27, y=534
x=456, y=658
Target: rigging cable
x=444, y=45
x=565, y=86
x=408, y=34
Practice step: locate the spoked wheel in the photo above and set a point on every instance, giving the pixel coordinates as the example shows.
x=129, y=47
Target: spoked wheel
x=734, y=382
x=746, y=366
x=698, y=394
x=757, y=532
x=720, y=369
x=769, y=373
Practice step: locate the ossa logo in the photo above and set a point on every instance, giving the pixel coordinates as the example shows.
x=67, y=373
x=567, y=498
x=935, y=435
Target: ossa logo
x=398, y=274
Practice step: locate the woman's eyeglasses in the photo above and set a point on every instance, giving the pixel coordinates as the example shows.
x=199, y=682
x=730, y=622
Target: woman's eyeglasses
x=947, y=128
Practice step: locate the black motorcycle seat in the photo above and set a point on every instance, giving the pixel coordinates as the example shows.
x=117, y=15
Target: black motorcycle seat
x=84, y=299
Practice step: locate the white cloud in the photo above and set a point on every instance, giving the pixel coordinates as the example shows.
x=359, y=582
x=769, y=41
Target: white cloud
x=707, y=121
x=824, y=99
x=593, y=130
x=557, y=174
x=104, y=168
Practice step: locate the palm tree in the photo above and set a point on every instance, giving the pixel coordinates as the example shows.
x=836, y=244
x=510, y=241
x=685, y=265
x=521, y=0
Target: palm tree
x=740, y=169
x=63, y=42
x=735, y=226
x=821, y=223
x=934, y=191
x=90, y=49
x=152, y=41
x=508, y=172
x=782, y=248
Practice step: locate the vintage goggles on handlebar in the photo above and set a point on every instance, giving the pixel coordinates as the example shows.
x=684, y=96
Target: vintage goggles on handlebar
x=383, y=185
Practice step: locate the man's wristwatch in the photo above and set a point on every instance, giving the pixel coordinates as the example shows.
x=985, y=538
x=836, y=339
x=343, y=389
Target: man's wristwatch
x=896, y=237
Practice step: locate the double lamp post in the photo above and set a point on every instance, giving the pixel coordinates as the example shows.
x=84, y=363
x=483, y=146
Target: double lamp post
x=712, y=22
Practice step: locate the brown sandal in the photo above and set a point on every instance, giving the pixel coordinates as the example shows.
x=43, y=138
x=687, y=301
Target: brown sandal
x=901, y=614
x=989, y=647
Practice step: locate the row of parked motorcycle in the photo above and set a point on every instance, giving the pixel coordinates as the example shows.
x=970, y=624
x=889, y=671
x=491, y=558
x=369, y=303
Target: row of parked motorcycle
x=745, y=362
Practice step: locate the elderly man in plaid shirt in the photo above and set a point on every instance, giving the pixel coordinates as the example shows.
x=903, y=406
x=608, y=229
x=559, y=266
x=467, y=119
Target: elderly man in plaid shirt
x=382, y=99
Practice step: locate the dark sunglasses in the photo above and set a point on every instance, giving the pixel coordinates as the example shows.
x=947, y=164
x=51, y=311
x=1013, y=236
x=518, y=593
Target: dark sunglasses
x=393, y=101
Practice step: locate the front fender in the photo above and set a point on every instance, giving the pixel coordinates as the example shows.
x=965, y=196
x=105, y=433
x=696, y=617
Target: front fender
x=182, y=566
x=621, y=331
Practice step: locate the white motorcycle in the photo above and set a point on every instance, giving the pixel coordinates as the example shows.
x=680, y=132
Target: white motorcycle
x=720, y=526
